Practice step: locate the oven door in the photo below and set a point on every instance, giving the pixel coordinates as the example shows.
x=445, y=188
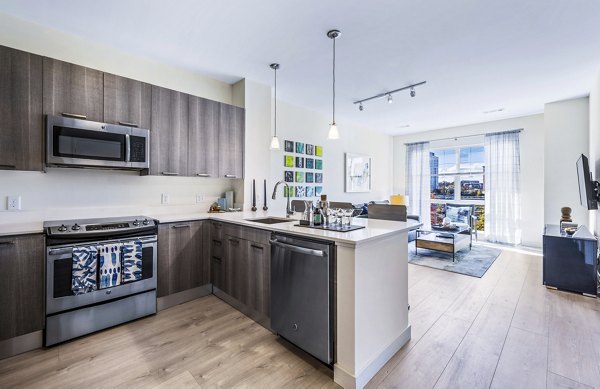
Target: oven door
x=59, y=259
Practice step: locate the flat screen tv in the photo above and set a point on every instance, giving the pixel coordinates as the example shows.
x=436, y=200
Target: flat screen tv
x=588, y=189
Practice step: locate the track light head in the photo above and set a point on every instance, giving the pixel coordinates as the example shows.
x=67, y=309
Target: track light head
x=390, y=99
x=412, y=92
x=360, y=107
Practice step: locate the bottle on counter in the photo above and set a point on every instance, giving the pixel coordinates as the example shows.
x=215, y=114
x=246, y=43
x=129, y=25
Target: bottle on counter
x=317, y=216
x=324, y=205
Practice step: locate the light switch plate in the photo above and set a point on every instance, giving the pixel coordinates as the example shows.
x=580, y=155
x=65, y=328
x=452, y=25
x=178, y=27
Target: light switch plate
x=199, y=197
x=165, y=198
x=14, y=203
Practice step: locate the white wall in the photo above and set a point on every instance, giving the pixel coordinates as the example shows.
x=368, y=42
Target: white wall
x=594, y=148
x=104, y=192
x=566, y=127
x=532, y=164
x=299, y=124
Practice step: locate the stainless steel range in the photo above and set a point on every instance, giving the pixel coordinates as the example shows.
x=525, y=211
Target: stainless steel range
x=71, y=311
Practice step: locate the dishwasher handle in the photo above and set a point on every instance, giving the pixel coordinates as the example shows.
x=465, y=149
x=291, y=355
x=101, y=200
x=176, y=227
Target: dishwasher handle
x=301, y=250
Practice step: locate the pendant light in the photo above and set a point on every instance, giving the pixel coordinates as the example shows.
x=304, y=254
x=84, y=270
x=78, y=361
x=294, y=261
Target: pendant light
x=333, y=130
x=275, y=140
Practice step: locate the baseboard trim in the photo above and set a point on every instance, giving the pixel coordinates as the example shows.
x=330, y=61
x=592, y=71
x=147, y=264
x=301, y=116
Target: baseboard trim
x=20, y=344
x=182, y=297
x=349, y=381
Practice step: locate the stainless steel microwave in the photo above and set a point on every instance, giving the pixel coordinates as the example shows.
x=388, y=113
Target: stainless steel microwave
x=83, y=143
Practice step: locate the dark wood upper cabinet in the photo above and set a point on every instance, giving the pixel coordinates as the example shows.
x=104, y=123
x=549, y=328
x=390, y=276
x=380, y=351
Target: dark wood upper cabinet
x=231, y=141
x=73, y=89
x=21, y=119
x=203, y=153
x=22, y=286
x=169, y=133
x=127, y=102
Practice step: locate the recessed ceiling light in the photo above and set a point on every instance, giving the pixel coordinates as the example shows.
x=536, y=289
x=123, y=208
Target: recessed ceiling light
x=494, y=110
x=404, y=126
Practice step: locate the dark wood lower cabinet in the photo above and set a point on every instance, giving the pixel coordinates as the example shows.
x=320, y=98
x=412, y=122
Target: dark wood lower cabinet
x=182, y=264
x=22, y=286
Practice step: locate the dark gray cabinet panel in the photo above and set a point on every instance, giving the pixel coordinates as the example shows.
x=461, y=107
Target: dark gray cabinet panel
x=73, y=89
x=21, y=119
x=22, y=286
x=203, y=153
x=182, y=265
x=235, y=267
x=231, y=141
x=169, y=135
x=126, y=101
x=258, y=294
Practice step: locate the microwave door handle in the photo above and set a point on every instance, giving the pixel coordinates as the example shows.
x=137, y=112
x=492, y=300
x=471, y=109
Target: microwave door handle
x=127, y=148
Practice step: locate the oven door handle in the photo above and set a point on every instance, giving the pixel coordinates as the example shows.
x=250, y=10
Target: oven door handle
x=149, y=240
x=62, y=250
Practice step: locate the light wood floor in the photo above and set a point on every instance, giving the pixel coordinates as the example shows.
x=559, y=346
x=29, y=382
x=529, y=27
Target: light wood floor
x=504, y=330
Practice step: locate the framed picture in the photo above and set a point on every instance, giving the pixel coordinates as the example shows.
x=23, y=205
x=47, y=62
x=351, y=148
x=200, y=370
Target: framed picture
x=319, y=151
x=289, y=176
x=310, y=163
x=319, y=178
x=299, y=148
x=319, y=164
x=310, y=149
x=318, y=190
x=288, y=161
x=310, y=191
x=299, y=176
x=299, y=161
x=358, y=173
x=299, y=191
x=310, y=177
x=289, y=146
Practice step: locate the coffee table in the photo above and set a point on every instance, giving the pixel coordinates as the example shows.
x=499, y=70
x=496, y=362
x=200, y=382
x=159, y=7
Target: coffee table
x=444, y=240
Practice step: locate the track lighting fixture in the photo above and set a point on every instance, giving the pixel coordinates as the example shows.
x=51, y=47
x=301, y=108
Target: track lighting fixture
x=389, y=94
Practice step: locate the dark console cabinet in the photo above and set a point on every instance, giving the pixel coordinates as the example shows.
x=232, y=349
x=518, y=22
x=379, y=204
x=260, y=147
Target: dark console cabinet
x=571, y=262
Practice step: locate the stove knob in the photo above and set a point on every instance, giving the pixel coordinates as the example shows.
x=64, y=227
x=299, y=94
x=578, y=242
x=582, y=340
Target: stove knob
x=62, y=228
x=136, y=223
x=146, y=222
x=76, y=227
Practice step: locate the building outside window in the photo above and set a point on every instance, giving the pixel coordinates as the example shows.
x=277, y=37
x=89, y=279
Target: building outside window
x=457, y=176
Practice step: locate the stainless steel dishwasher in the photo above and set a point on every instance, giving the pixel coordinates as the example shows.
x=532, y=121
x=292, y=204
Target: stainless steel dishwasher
x=302, y=293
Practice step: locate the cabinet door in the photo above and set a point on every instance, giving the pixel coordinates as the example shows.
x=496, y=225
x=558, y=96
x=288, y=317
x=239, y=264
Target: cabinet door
x=127, y=102
x=258, y=295
x=21, y=120
x=203, y=153
x=169, y=137
x=231, y=141
x=22, y=286
x=73, y=89
x=162, y=260
x=235, y=267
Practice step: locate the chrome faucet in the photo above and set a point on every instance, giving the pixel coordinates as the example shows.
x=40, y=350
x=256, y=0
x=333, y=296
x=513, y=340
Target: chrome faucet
x=288, y=209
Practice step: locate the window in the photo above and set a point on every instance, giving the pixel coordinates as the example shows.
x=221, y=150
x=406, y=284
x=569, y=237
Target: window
x=457, y=175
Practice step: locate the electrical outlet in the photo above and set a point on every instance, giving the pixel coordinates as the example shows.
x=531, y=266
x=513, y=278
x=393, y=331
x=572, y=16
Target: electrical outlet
x=14, y=203
x=165, y=198
x=199, y=197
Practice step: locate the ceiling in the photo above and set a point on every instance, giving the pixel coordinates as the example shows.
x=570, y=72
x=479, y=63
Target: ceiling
x=476, y=56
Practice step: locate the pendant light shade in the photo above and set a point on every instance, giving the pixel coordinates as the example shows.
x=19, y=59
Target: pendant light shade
x=333, y=130
x=275, y=140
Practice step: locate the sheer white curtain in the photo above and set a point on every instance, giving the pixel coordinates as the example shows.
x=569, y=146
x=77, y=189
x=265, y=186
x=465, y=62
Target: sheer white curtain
x=418, y=180
x=503, y=188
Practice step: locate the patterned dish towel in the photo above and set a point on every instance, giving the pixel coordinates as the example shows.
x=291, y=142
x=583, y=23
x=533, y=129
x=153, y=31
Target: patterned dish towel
x=132, y=261
x=110, y=265
x=83, y=275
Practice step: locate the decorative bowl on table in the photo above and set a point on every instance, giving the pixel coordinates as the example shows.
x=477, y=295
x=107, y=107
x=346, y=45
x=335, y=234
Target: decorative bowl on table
x=570, y=230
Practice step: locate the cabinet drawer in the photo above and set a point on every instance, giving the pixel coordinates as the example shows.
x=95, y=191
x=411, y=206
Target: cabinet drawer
x=216, y=248
x=216, y=230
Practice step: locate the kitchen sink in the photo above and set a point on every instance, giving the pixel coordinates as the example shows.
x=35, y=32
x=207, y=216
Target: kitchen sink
x=271, y=220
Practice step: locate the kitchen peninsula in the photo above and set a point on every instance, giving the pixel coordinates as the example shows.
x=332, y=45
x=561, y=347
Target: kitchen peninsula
x=371, y=285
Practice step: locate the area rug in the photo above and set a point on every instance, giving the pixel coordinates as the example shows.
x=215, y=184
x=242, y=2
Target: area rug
x=472, y=263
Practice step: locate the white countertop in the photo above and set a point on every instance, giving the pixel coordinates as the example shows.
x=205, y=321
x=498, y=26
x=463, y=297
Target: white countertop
x=374, y=229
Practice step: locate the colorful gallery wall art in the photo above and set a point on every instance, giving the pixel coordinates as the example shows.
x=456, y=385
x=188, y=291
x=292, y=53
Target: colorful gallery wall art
x=300, y=162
